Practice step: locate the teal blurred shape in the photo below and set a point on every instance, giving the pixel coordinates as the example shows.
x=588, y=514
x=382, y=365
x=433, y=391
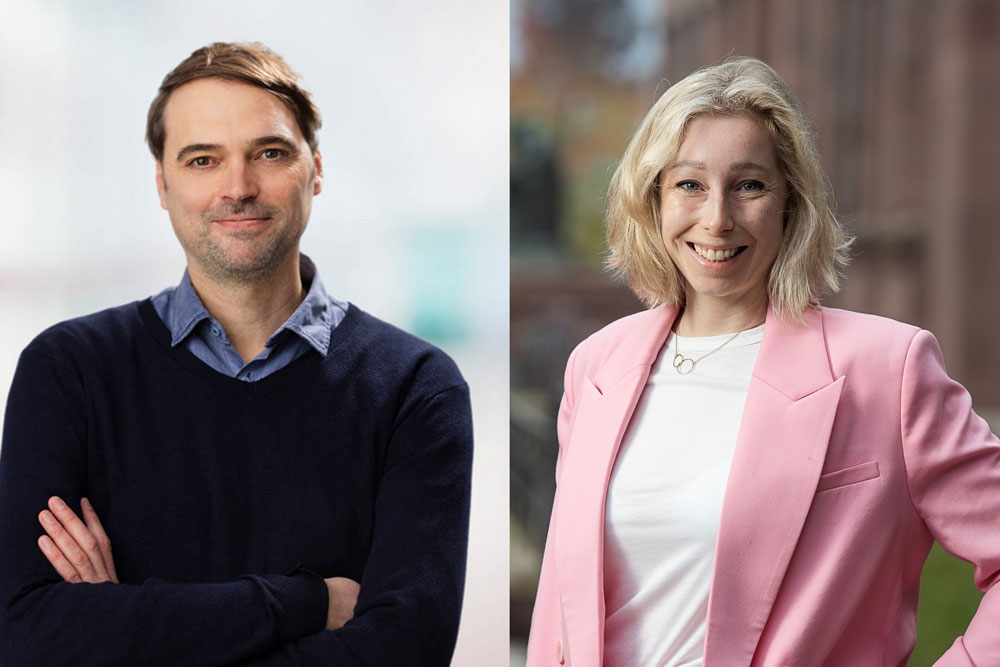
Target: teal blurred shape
x=440, y=282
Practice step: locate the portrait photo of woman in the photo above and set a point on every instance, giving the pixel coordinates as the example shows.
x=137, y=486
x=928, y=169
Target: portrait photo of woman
x=747, y=477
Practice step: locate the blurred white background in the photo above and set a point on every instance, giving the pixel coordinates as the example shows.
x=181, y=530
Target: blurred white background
x=412, y=223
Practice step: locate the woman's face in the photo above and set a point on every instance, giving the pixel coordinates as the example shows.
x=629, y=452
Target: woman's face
x=722, y=203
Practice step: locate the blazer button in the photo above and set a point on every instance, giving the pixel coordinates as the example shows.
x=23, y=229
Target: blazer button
x=559, y=652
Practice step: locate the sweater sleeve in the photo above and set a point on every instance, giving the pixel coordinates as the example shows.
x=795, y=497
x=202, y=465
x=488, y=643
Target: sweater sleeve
x=45, y=621
x=411, y=590
x=953, y=469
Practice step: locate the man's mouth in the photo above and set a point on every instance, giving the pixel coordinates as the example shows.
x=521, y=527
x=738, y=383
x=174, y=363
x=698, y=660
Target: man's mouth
x=242, y=218
x=716, y=254
x=240, y=223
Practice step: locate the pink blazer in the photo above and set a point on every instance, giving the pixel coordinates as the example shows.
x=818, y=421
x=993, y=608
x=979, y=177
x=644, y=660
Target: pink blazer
x=855, y=452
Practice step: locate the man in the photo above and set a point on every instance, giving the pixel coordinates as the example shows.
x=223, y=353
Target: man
x=284, y=478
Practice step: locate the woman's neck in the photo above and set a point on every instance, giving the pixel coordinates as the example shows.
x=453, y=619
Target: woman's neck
x=708, y=316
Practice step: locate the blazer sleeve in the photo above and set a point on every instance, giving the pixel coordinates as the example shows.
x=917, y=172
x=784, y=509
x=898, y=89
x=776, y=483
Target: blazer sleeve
x=545, y=645
x=953, y=469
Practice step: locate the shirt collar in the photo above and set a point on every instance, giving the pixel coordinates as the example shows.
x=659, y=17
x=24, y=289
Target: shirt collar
x=312, y=321
x=186, y=310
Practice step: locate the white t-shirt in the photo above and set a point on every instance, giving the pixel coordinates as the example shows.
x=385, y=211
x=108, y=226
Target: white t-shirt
x=664, y=502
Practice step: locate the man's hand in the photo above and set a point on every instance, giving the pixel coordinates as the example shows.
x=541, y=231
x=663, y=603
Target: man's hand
x=343, y=597
x=80, y=552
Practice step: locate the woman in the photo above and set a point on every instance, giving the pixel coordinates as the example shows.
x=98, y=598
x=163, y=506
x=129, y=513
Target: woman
x=746, y=478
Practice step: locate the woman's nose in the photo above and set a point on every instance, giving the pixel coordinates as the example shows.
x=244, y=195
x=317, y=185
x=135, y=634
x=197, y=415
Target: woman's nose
x=717, y=216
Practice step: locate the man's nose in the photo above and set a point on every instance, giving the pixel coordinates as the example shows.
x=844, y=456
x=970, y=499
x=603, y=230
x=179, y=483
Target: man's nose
x=717, y=216
x=239, y=183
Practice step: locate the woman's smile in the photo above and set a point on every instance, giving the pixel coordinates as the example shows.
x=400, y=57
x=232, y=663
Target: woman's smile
x=716, y=256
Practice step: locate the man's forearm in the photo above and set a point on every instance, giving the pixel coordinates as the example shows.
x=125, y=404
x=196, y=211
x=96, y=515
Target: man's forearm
x=80, y=552
x=160, y=623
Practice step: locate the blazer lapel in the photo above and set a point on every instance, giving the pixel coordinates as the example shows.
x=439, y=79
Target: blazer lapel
x=604, y=405
x=779, y=455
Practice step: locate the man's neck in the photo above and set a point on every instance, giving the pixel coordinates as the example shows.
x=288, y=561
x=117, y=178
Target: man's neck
x=251, y=312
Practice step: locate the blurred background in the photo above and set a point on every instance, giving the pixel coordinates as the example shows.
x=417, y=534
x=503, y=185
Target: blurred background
x=411, y=224
x=904, y=95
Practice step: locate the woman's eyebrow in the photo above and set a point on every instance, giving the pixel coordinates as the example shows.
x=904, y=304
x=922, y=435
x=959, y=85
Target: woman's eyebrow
x=686, y=163
x=737, y=166
x=748, y=166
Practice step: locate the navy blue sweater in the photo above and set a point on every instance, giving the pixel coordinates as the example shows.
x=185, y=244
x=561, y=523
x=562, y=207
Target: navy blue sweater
x=227, y=502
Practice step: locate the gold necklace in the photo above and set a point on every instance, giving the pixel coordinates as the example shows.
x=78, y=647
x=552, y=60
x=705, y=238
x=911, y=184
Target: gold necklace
x=685, y=365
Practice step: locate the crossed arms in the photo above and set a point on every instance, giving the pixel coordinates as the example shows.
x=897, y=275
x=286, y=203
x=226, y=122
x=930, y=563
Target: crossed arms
x=80, y=551
x=410, y=584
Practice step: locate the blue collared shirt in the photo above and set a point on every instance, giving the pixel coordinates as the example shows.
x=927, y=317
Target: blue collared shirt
x=308, y=328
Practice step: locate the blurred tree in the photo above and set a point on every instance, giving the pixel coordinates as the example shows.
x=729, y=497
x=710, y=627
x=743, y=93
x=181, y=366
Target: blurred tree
x=535, y=188
x=603, y=27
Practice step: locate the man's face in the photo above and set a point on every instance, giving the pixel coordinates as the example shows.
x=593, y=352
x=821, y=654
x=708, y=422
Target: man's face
x=237, y=179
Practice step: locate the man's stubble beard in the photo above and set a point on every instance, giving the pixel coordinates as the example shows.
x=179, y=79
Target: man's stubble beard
x=275, y=246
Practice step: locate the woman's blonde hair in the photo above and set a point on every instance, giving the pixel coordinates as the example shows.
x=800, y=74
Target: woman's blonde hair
x=814, y=245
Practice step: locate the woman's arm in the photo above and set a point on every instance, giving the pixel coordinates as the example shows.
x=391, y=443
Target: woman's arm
x=953, y=469
x=545, y=646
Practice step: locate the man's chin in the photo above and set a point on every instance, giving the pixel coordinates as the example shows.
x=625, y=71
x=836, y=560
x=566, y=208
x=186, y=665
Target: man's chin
x=245, y=267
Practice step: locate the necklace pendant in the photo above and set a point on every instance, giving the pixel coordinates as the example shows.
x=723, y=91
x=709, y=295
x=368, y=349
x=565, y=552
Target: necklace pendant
x=685, y=365
x=682, y=364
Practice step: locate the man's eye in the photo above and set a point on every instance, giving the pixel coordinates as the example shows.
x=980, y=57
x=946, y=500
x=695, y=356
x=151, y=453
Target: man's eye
x=272, y=154
x=688, y=185
x=201, y=161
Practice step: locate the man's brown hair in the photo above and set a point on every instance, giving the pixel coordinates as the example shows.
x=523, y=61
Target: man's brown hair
x=247, y=62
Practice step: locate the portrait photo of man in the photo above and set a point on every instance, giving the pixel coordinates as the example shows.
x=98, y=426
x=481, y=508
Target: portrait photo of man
x=244, y=467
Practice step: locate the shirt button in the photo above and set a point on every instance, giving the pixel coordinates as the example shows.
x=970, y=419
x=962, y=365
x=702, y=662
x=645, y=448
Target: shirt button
x=215, y=330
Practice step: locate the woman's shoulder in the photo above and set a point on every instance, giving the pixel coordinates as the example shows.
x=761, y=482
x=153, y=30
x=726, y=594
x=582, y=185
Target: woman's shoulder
x=859, y=343
x=851, y=326
x=623, y=343
x=614, y=334
x=624, y=326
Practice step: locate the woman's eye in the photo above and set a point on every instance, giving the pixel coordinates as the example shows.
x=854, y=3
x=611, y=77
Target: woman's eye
x=751, y=186
x=688, y=185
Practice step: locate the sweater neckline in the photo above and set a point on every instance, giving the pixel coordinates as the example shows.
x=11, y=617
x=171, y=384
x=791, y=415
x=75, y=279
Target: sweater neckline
x=161, y=334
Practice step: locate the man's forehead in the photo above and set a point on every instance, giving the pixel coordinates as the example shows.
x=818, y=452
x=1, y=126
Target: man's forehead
x=220, y=111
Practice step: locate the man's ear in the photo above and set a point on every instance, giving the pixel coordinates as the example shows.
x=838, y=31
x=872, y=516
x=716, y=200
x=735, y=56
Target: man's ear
x=161, y=185
x=318, y=177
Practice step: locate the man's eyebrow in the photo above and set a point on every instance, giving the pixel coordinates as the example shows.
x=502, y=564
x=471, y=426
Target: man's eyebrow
x=196, y=148
x=269, y=140
x=275, y=139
